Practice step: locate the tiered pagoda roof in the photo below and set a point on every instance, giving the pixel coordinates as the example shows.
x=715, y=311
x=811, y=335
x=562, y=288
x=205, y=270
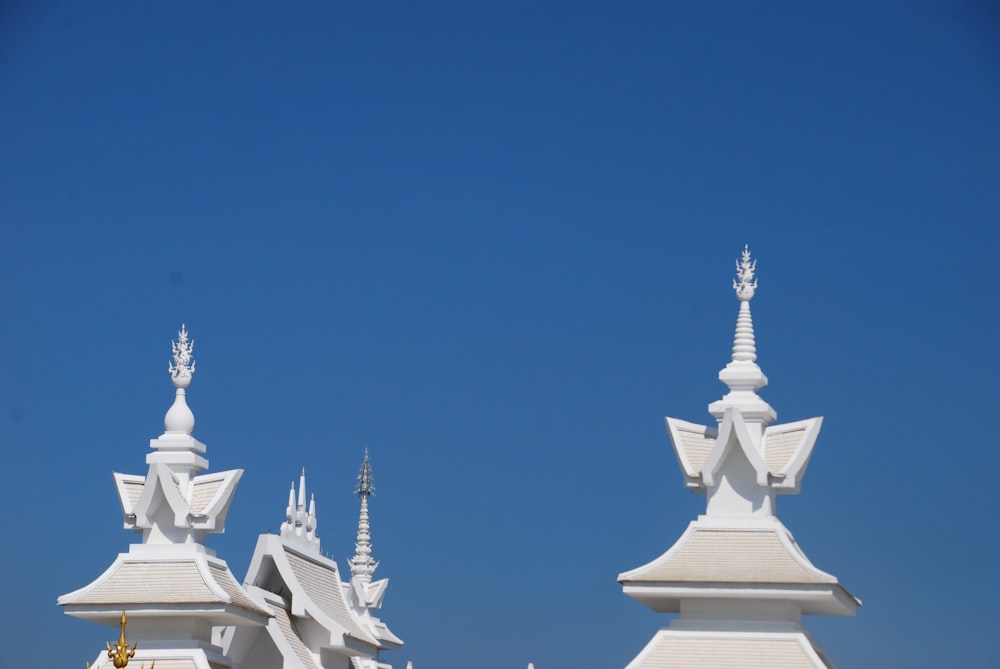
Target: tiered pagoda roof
x=176, y=590
x=736, y=575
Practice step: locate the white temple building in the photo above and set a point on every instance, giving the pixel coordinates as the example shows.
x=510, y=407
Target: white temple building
x=315, y=615
x=185, y=608
x=736, y=576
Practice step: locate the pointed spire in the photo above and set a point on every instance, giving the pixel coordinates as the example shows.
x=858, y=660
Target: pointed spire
x=743, y=376
x=744, y=345
x=179, y=419
x=362, y=564
x=299, y=528
x=365, y=487
x=749, y=376
x=311, y=519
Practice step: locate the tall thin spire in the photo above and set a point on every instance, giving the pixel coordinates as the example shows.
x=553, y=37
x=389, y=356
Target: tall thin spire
x=743, y=376
x=744, y=346
x=362, y=564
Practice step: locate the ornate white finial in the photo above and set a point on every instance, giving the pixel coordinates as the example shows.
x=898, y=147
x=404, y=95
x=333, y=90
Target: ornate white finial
x=182, y=368
x=362, y=564
x=179, y=419
x=745, y=269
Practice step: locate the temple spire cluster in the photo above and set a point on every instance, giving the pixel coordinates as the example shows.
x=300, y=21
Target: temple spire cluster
x=736, y=576
x=299, y=527
x=185, y=607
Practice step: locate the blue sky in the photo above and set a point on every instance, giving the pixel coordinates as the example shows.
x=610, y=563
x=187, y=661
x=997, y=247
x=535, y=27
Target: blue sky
x=494, y=244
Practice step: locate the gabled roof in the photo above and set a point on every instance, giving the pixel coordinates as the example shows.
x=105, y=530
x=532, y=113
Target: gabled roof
x=313, y=585
x=320, y=583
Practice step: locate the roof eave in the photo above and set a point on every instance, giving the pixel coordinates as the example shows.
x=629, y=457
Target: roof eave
x=830, y=599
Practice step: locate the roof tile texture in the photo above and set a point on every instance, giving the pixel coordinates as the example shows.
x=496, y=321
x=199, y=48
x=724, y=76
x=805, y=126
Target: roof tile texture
x=715, y=653
x=730, y=556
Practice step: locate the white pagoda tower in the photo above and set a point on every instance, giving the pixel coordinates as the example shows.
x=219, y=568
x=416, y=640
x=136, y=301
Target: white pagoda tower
x=174, y=589
x=736, y=576
x=319, y=621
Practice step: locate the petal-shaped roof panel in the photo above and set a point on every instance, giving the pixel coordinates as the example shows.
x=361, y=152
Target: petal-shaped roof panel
x=692, y=443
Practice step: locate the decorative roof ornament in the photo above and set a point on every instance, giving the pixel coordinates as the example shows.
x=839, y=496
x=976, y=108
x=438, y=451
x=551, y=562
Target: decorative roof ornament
x=299, y=528
x=365, y=478
x=362, y=564
x=121, y=653
x=182, y=368
x=179, y=419
x=745, y=269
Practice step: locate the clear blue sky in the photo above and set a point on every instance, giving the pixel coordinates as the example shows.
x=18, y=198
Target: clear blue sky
x=494, y=244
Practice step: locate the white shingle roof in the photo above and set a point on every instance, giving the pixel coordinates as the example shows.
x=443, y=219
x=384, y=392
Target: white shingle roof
x=138, y=582
x=288, y=630
x=129, y=490
x=131, y=582
x=730, y=556
x=237, y=595
x=693, y=650
x=692, y=443
x=202, y=493
x=779, y=448
x=322, y=585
